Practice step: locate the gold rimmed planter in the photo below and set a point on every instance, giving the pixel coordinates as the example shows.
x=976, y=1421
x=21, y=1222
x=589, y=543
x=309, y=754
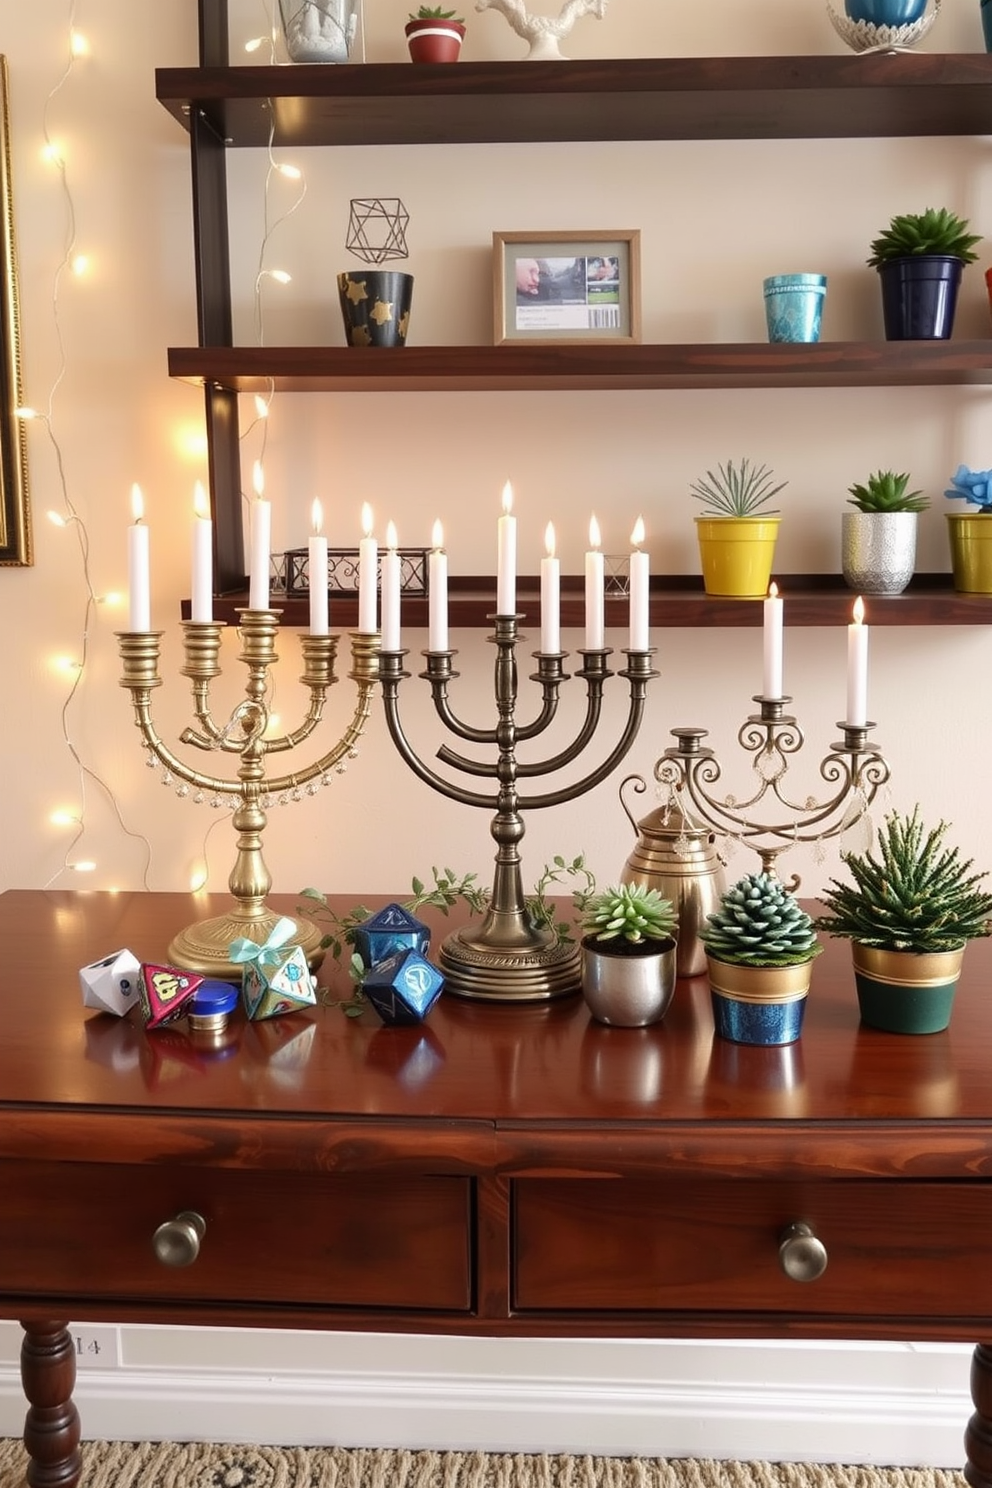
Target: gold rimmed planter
x=903, y=992
x=758, y=1004
x=970, y=536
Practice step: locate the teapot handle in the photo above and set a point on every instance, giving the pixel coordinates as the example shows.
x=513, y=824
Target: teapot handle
x=640, y=786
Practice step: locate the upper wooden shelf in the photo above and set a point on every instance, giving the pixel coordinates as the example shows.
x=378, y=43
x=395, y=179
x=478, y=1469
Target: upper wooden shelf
x=676, y=600
x=828, y=97
x=578, y=366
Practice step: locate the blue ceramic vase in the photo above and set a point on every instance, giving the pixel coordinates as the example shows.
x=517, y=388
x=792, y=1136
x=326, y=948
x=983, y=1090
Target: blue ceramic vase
x=885, y=12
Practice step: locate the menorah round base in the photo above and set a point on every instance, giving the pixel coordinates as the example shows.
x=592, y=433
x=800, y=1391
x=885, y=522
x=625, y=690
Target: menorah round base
x=205, y=946
x=529, y=973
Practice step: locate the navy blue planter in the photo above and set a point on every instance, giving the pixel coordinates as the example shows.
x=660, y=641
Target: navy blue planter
x=920, y=296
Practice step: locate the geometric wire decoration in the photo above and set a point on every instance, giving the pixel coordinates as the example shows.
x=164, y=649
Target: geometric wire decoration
x=377, y=229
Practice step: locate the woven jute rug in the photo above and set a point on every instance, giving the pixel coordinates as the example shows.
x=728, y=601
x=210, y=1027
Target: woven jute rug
x=196, y=1465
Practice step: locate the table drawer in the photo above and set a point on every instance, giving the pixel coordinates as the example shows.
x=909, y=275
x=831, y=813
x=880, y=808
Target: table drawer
x=392, y=1241
x=917, y=1249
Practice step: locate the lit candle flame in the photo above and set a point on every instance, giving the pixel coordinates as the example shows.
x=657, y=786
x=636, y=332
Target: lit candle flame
x=200, y=503
x=258, y=479
x=773, y=590
x=549, y=539
x=637, y=536
x=317, y=517
x=391, y=535
x=437, y=536
x=858, y=612
x=367, y=522
x=137, y=502
x=594, y=534
x=508, y=498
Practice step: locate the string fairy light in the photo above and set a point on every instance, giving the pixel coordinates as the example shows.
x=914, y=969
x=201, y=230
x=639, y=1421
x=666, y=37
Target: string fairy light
x=69, y=518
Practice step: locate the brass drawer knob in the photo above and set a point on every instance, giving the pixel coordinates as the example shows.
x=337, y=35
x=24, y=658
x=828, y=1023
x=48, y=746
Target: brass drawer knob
x=177, y=1242
x=801, y=1255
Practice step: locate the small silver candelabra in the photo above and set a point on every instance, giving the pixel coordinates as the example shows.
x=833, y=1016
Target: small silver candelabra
x=508, y=956
x=853, y=767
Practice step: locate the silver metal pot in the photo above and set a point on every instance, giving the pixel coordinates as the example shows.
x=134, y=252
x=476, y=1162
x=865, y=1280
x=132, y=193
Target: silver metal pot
x=878, y=550
x=627, y=989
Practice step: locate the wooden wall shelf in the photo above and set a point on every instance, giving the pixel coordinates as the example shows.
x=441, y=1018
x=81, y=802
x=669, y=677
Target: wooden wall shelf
x=678, y=600
x=515, y=368
x=677, y=98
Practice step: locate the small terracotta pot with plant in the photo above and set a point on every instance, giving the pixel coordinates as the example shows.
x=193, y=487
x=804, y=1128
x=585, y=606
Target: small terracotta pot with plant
x=434, y=35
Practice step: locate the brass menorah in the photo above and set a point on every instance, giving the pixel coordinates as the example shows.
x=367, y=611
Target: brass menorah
x=204, y=946
x=510, y=955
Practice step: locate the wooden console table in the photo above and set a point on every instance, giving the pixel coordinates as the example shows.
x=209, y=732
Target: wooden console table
x=500, y=1170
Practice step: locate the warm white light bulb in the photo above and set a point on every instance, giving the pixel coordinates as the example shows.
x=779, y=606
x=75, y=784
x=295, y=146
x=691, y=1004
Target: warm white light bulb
x=56, y=519
x=291, y=172
x=78, y=44
x=83, y=866
x=261, y=406
x=280, y=276
x=24, y=412
x=51, y=153
x=254, y=44
x=80, y=264
x=63, y=819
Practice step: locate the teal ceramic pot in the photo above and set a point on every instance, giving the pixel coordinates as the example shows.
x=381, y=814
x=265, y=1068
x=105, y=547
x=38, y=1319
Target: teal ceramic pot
x=986, y=11
x=885, y=12
x=901, y=992
x=794, y=306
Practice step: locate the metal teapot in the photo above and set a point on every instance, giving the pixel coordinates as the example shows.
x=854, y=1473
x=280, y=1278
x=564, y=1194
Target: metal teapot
x=681, y=861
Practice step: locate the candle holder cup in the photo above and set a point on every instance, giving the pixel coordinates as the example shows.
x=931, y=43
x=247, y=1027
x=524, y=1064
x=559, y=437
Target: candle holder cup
x=204, y=947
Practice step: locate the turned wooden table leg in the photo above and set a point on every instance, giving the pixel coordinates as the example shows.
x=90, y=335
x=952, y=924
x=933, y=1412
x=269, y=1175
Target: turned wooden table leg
x=51, y=1427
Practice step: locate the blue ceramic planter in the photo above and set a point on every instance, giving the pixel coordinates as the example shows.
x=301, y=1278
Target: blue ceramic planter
x=920, y=296
x=758, y=1004
x=885, y=12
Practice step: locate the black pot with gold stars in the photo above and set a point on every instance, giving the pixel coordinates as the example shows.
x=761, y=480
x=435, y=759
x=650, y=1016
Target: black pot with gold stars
x=375, y=304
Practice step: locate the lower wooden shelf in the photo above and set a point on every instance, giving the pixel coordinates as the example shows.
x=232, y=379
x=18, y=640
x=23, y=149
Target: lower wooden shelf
x=676, y=600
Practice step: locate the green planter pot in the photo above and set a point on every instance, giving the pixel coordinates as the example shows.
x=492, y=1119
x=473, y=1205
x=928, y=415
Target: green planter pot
x=902, y=992
x=970, y=536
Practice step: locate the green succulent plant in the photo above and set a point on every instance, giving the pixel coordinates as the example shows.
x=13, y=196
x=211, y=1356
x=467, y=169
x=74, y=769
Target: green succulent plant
x=917, y=895
x=935, y=231
x=630, y=913
x=884, y=491
x=736, y=490
x=435, y=13
x=759, y=923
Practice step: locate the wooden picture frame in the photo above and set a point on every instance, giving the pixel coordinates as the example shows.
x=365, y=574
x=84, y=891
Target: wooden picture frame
x=558, y=287
x=15, y=512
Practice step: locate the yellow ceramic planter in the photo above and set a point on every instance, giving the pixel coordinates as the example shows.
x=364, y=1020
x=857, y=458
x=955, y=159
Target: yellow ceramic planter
x=737, y=555
x=971, y=551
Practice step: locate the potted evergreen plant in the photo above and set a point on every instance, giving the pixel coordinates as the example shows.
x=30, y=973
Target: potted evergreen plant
x=628, y=955
x=920, y=258
x=878, y=538
x=970, y=533
x=909, y=915
x=760, y=946
x=434, y=35
x=737, y=535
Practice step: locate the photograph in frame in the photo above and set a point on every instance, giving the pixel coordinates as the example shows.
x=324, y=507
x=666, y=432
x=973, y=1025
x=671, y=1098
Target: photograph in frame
x=566, y=286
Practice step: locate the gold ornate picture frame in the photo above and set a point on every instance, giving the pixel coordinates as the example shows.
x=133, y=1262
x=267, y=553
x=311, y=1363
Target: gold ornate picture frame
x=15, y=511
x=566, y=286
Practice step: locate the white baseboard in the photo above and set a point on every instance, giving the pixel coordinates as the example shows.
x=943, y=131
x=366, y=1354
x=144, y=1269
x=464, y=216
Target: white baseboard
x=874, y=1403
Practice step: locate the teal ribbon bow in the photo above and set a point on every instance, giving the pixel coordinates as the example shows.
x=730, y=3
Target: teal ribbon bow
x=266, y=953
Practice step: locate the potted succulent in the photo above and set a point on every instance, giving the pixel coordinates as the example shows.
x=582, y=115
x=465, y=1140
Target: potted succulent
x=878, y=538
x=920, y=258
x=434, y=35
x=970, y=533
x=909, y=915
x=628, y=955
x=760, y=946
x=737, y=536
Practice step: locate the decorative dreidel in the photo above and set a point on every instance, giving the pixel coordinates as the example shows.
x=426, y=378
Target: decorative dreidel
x=390, y=930
x=403, y=988
x=111, y=985
x=165, y=993
x=275, y=977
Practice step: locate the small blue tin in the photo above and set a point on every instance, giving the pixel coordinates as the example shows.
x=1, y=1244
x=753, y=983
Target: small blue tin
x=211, y=1005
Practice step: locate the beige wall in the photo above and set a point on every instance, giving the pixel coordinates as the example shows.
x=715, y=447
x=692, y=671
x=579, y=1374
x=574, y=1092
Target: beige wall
x=715, y=218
